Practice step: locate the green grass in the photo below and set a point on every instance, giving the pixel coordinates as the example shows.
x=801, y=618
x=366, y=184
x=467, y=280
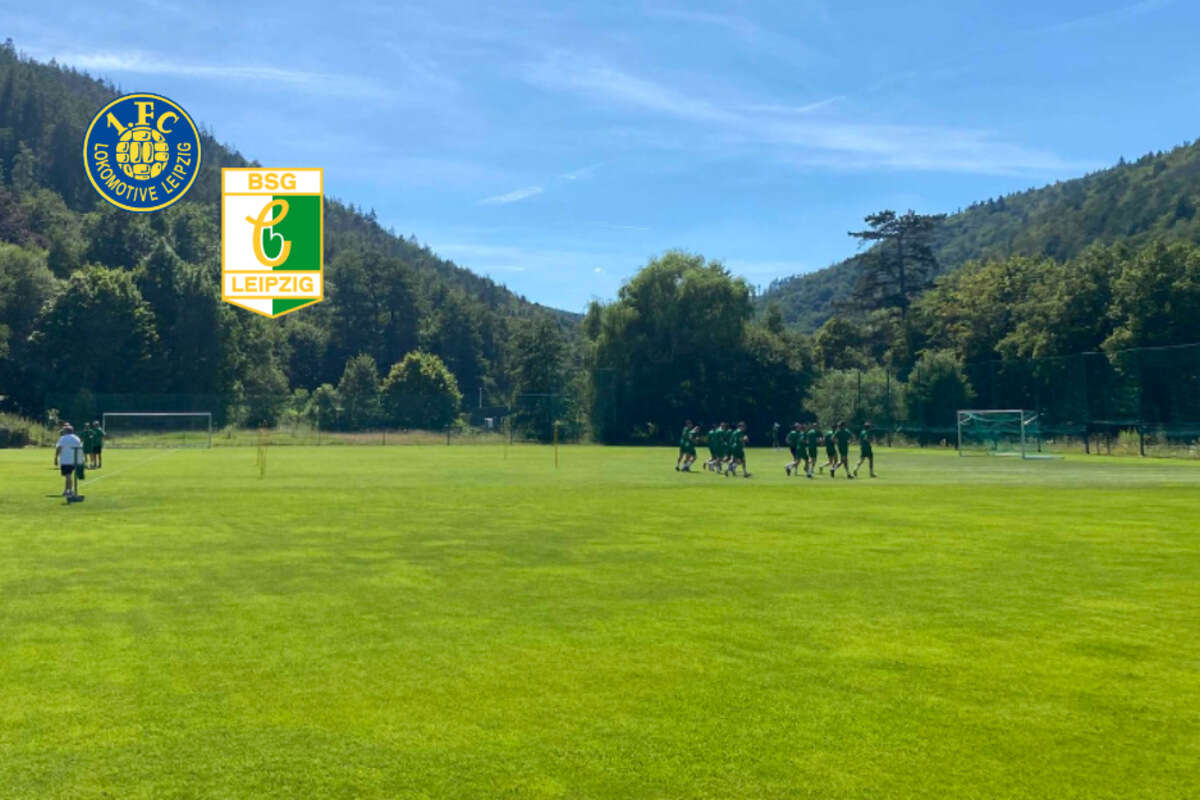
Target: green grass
x=440, y=622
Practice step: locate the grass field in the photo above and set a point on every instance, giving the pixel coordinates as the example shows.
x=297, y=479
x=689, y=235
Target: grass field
x=440, y=622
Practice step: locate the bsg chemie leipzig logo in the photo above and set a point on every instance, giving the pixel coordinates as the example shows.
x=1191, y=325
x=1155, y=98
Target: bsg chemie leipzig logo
x=272, y=246
x=141, y=152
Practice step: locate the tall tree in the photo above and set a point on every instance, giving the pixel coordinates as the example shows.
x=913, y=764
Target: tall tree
x=539, y=350
x=901, y=264
x=358, y=392
x=668, y=347
x=419, y=392
x=98, y=333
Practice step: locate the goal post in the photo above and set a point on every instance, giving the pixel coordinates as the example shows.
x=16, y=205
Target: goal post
x=999, y=432
x=157, y=428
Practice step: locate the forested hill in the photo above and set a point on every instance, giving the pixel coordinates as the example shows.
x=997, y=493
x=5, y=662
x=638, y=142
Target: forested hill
x=386, y=295
x=46, y=108
x=1154, y=198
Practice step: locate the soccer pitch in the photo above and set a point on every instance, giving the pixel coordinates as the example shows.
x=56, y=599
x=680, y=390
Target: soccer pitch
x=470, y=622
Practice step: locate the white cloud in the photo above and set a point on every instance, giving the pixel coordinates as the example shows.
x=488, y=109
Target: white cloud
x=516, y=195
x=603, y=82
x=150, y=64
x=824, y=142
x=807, y=108
x=582, y=172
x=1121, y=14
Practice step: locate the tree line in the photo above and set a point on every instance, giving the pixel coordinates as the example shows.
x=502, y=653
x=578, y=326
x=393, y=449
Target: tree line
x=99, y=300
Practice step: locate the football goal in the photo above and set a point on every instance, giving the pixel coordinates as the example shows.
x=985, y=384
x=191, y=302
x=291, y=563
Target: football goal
x=999, y=432
x=157, y=429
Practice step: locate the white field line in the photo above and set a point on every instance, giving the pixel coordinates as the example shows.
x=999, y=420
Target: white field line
x=88, y=482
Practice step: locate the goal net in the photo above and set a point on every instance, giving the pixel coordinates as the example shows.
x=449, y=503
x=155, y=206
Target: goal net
x=999, y=432
x=157, y=429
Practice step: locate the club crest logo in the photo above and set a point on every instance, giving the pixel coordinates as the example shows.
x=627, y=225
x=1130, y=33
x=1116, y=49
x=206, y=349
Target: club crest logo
x=141, y=152
x=272, y=239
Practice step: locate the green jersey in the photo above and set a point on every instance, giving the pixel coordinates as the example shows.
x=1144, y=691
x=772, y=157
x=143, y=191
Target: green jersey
x=864, y=440
x=830, y=447
x=714, y=440
x=843, y=440
x=98, y=433
x=737, y=442
x=812, y=439
x=793, y=439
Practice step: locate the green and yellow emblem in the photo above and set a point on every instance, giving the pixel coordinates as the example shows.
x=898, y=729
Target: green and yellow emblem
x=272, y=245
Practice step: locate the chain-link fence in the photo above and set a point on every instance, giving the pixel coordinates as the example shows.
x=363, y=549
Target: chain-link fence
x=303, y=418
x=1143, y=401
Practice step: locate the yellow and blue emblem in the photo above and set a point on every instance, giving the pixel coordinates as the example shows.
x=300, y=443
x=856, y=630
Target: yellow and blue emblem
x=141, y=152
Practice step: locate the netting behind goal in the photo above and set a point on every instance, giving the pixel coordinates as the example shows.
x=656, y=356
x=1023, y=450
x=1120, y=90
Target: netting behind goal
x=998, y=432
x=161, y=429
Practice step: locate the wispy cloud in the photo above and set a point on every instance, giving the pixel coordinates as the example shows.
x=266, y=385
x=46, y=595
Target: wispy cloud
x=823, y=142
x=807, y=108
x=1122, y=14
x=150, y=64
x=600, y=81
x=582, y=172
x=515, y=196
x=737, y=24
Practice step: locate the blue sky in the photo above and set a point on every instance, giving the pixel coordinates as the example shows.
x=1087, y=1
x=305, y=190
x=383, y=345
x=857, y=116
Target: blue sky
x=557, y=147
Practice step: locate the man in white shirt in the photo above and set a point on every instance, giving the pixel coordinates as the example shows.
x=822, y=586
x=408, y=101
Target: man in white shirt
x=67, y=454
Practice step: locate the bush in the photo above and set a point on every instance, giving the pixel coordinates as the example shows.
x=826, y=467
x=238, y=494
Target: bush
x=16, y=431
x=419, y=392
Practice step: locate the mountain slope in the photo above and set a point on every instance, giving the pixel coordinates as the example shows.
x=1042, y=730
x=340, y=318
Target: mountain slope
x=45, y=108
x=1155, y=197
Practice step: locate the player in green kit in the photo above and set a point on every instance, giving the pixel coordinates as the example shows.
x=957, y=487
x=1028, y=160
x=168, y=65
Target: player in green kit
x=842, y=438
x=97, y=445
x=865, y=452
x=793, y=445
x=710, y=439
x=689, y=447
x=721, y=446
x=830, y=453
x=85, y=436
x=737, y=452
x=812, y=439
x=683, y=437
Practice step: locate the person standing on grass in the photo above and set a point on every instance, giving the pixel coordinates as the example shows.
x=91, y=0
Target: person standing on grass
x=843, y=447
x=793, y=446
x=865, y=452
x=97, y=445
x=830, y=453
x=67, y=453
x=687, y=427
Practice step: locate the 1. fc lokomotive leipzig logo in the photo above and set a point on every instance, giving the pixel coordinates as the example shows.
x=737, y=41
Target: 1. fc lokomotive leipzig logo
x=272, y=245
x=141, y=152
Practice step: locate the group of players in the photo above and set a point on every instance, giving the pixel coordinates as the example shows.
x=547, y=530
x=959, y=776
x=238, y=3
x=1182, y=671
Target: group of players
x=805, y=439
x=727, y=449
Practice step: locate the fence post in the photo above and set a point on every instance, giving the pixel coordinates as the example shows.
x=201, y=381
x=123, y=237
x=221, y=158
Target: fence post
x=1141, y=440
